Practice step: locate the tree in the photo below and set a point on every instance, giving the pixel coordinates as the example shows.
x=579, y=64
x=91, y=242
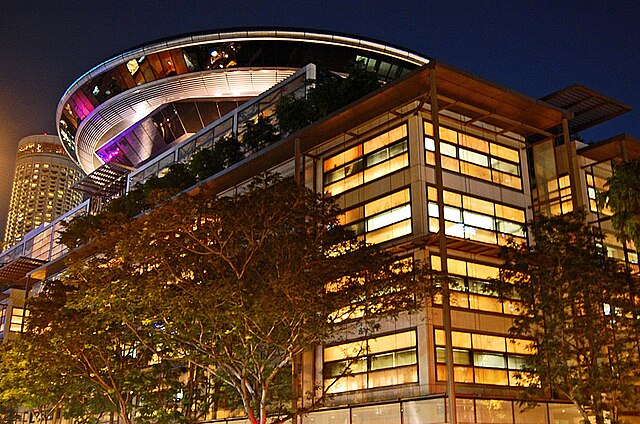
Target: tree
x=327, y=96
x=578, y=308
x=294, y=113
x=260, y=133
x=242, y=285
x=209, y=161
x=35, y=377
x=623, y=197
x=94, y=354
x=27, y=383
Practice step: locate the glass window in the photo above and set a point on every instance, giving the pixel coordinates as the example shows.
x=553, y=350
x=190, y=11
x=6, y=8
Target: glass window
x=476, y=219
x=3, y=317
x=474, y=143
x=483, y=360
x=485, y=342
x=563, y=414
x=424, y=411
x=377, y=362
x=337, y=416
x=490, y=360
x=494, y=411
x=377, y=414
x=379, y=156
x=381, y=219
x=472, y=156
x=448, y=150
x=465, y=410
x=516, y=362
x=461, y=339
x=460, y=356
x=537, y=415
x=17, y=316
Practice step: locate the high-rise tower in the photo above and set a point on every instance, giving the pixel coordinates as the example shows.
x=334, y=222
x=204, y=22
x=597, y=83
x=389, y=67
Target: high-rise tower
x=40, y=192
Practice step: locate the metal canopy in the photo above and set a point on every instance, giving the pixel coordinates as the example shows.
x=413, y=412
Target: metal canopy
x=16, y=270
x=589, y=107
x=106, y=181
x=621, y=146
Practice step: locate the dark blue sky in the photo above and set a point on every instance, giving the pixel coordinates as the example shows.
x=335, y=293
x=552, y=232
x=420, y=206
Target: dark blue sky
x=528, y=46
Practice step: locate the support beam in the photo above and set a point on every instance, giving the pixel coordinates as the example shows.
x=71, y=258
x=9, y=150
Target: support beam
x=442, y=244
x=299, y=179
x=505, y=120
x=574, y=171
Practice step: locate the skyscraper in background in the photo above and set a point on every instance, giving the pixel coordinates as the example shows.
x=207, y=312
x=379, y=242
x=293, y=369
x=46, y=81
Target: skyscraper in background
x=40, y=191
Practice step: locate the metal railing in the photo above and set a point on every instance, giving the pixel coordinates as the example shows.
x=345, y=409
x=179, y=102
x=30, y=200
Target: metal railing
x=233, y=123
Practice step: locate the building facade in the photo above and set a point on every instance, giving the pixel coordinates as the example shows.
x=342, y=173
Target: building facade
x=41, y=186
x=439, y=165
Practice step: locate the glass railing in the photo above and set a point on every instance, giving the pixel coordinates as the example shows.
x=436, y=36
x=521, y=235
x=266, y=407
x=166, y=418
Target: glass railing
x=43, y=243
x=232, y=123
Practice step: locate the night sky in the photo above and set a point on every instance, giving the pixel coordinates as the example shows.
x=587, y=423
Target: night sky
x=525, y=45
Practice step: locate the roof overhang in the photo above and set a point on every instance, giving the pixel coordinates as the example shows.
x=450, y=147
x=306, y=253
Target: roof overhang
x=483, y=100
x=106, y=181
x=589, y=107
x=16, y=270
x=622, y=146
x=458, y=91
x=495, y=104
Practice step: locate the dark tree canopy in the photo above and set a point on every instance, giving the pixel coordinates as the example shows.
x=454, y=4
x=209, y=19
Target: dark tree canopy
x=580, y=309
x=234, y=288
x=327, y=96
x=623, y=197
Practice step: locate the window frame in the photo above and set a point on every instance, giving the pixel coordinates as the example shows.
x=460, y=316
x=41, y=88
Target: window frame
x=508, y=357
x=462, y=211
x=359, y=225
x=360, y=162
x=452, y=150
x=367, y=360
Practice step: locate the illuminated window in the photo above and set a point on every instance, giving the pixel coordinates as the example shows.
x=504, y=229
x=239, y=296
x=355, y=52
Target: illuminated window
x=470, y=287
x=482, y=358
x=475, y=157
x=382, y=219
x=553, y=197
x=382, y=361
x=17, y=318
x=476, y=219
x=596, y=177
x=371, y=302
x=379, y=156
x=3, y=317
